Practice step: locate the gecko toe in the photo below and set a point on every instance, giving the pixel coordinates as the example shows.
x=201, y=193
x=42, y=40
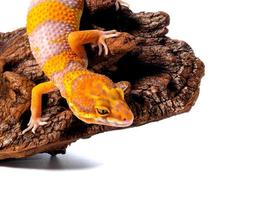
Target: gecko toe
x=110, y=32
x=34, y=124
x=120, y=3
x=102, y=41
x=105, y=48
x=100, y=49
x=30, y=126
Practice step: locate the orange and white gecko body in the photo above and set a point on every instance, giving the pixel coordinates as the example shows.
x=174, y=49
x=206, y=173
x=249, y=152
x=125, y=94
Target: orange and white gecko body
x=57, y=45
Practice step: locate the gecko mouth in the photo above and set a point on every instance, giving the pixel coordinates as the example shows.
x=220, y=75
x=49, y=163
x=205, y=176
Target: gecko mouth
x=124, y=124
x=106, y=122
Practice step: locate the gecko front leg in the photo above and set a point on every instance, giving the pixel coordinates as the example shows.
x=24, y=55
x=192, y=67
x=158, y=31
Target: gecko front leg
x=36, y=105
x=94, y=37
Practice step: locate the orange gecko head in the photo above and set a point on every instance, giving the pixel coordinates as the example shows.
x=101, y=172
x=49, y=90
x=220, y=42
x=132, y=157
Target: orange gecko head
x=95, y=99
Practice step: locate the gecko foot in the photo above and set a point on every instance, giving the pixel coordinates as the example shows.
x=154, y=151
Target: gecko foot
x=102, y=40
x=34, y=124
x=120, y=3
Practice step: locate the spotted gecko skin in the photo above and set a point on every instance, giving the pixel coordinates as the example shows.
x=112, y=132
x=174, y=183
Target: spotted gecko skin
x=49, y=25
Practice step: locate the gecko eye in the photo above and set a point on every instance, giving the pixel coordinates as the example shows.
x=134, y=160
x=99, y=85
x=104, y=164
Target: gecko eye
x=102, y=111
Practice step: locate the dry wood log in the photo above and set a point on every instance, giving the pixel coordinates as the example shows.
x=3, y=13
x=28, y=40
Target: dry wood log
x=164, y=74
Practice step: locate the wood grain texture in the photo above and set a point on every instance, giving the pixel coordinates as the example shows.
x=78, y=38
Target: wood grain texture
x=165, y=76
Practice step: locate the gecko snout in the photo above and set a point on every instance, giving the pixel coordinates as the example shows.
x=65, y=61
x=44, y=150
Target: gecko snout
x=128, y=118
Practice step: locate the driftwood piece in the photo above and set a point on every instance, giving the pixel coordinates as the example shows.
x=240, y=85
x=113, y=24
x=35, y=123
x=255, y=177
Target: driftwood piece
x=165, y=76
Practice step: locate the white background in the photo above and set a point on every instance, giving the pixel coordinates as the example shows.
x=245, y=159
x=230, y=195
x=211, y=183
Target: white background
x=217, y=151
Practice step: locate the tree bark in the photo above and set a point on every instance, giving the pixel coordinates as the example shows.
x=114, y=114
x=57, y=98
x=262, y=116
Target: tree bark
x=164, y=74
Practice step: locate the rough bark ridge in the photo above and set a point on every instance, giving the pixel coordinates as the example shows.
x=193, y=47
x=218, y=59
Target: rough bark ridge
x=164, y=73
